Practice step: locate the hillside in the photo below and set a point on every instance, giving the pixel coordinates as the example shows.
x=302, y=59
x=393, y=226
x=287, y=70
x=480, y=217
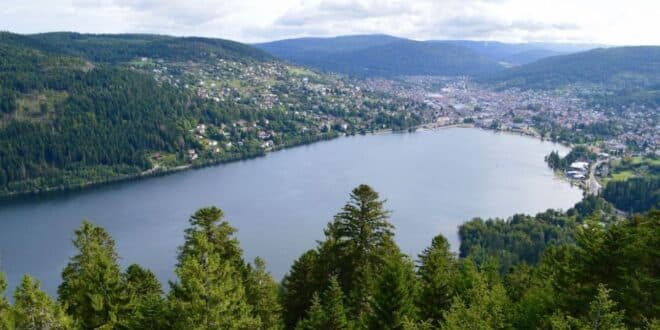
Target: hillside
x=626, y=74
x=382, y=56
x=80, y=109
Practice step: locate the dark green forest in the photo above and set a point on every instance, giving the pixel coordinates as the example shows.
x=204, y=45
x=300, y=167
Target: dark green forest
x=75, y=112
x=634, y=194
x=602, y=273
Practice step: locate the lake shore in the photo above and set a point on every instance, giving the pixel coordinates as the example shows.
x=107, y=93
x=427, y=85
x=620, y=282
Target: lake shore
x=160, y=171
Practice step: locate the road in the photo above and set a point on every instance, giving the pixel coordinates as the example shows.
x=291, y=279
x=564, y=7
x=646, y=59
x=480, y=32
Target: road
x=593, y=186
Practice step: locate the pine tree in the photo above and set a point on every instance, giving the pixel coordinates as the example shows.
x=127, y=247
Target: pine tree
x=602, y=313
x=482, y=306
x=436, y=268
x=219, y=234
x=92, y=288
x=34, y=309
x=327, y=313
x=333, y=306
x=299, y=287
x=6, y=322
x=149, y=309
x=262, y=295
x=315, y=319
x=393, y=303
x=210, y=293
x=355, y=242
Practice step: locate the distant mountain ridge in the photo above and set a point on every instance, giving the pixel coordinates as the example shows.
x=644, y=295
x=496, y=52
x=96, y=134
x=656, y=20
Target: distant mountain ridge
x=114, y=48
x=618, y=65
x=384, y=55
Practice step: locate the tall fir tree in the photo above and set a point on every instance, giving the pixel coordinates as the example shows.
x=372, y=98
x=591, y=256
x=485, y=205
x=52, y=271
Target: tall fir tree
x=210, y=293
x=92, y=288
x=34, y=309
x=148, y=307
x=6, y=320
x=393, y=303
x=298, y=287
x=602, y=312
x=262, y=295
x=355, y=242
x=315, y=317
x=437, y=266
x=326, y=313
x=483, y=305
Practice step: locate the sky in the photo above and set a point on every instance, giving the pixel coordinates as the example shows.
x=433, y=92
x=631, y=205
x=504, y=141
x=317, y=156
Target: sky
x=629, y=22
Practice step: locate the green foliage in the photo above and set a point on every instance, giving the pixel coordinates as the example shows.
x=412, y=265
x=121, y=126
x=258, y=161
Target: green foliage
x=634, y=195
x=262, y=295
x=437, y=266
x=622, y=256
x=34, y=309
x=520, y=239
x=92, y=288
x=6, y=320
x=484, y=306
x=315, y=316
x=149, y=309
x=326, y=313
x=604, y=278
x=393, y=303
x=299, y=286
x=578, y=153
x=355, y=242
x=210, y=293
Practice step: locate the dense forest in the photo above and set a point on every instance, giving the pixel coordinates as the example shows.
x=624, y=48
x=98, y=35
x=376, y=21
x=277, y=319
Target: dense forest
x=634, y=194
x=80, y=109
x=604, y=276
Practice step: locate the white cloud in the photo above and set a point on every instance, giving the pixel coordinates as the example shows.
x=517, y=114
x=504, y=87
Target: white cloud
x=603, y=21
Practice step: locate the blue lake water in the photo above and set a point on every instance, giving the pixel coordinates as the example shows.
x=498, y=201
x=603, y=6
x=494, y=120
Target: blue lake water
x=280, y=203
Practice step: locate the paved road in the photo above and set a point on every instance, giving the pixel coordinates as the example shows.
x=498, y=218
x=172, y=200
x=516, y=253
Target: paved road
x=593, y=186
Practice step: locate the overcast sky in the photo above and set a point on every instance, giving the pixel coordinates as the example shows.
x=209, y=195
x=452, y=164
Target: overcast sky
x=601, y=21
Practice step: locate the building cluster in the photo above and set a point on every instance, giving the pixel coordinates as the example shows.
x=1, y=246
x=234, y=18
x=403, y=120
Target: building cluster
x=543, y=113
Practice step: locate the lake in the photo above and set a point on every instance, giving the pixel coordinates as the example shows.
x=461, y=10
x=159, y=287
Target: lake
x=280, y=203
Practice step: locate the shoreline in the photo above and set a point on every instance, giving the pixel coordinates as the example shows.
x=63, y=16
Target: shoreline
x=158, y=171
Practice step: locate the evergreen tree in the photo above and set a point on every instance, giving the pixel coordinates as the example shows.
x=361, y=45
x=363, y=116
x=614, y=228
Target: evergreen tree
x=5, y=308
x=393, y=303
x=149, y=309
x=483, y=306
x=315, y=319
x=262, y=295
x=92, y=288
x=602, y=313
x=333, y=307
x=355, y=242
x=219, y=234
x=34, y=309
x=210, y=293
x=327, y=313
x=299, y=287
x=436, y=268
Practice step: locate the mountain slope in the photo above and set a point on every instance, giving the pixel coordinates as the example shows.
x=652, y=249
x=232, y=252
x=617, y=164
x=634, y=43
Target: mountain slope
x=125, y=47
x=529, y=56
x=380, y=55
x=79, y=109
x=619, y=66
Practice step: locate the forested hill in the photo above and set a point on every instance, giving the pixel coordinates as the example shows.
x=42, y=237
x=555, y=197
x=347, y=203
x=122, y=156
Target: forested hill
x=78, y=109
x=379, y=55
x=620, y=66
x=125, y=47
